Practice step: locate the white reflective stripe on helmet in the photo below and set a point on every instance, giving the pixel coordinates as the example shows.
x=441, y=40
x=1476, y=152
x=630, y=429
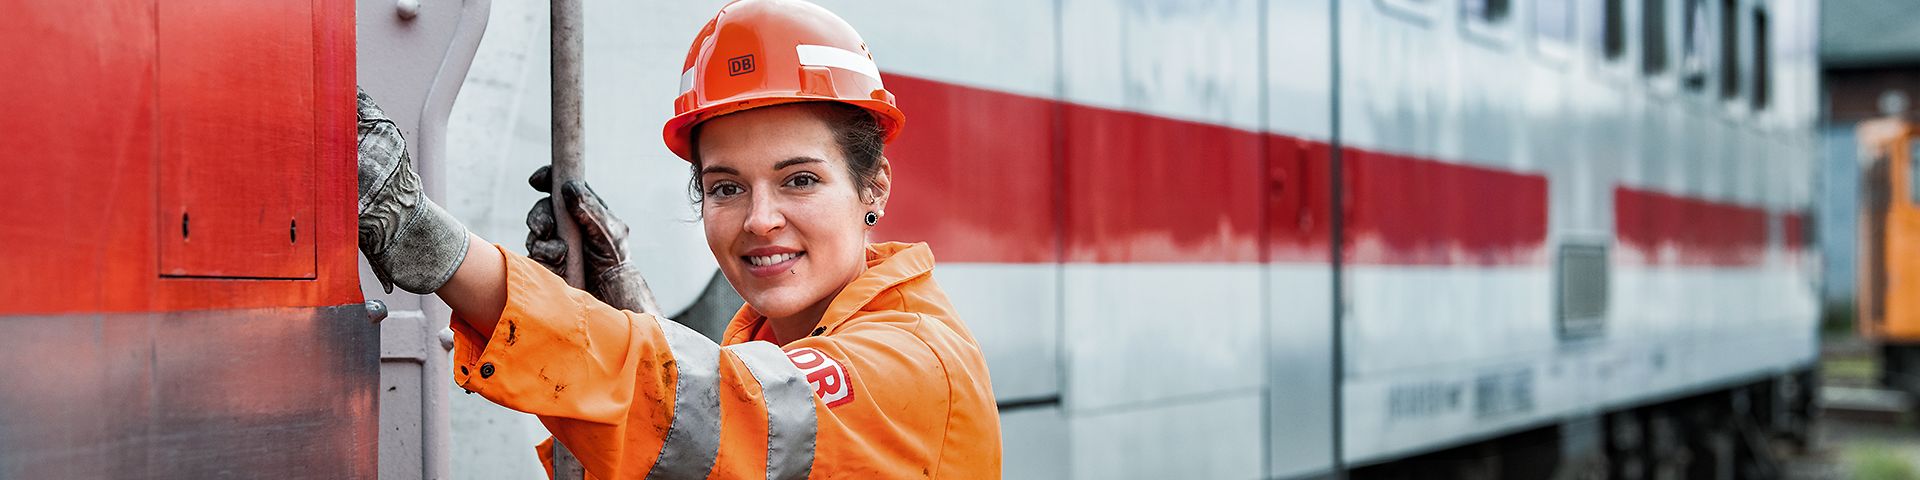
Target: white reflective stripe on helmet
x=693, y=437
x=791, y=421
x=686, y=81
x=834, y=57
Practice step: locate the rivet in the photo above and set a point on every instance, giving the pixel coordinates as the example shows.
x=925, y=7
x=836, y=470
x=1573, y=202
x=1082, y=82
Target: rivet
x=376, y=310
x=486, y=370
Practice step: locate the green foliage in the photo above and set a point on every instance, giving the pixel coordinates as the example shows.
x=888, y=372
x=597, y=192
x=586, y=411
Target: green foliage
x=1849, y=371
x=1877, y=462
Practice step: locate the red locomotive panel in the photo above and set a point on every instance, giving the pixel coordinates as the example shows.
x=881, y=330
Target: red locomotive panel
x=169, y=156
x=177, y=232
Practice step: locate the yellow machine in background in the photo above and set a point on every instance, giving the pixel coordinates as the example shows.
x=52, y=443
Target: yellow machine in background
x=1889, y=309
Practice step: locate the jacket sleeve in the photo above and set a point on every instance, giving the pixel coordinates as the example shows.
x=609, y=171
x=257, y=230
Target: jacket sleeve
x=637, y=396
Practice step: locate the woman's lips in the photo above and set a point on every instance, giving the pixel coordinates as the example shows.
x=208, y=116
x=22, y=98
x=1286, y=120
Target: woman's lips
x=770, y=264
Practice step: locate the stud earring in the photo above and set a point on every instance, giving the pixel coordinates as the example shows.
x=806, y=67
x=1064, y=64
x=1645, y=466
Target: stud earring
x=873, y=219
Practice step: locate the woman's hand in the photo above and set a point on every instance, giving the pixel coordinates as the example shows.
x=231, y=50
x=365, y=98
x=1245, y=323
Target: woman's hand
x=409, y=240
x=610, y=277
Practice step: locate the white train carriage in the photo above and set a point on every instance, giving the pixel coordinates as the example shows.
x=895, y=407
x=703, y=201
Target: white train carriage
x=1276, y=239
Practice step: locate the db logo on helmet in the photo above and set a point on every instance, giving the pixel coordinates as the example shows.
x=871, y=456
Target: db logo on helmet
x=828, y=379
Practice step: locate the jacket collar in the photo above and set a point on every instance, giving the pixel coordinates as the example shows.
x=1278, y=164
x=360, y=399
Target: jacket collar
x=888, y=265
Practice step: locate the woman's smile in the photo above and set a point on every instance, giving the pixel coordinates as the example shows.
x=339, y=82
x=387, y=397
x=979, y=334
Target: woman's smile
x=766, y=262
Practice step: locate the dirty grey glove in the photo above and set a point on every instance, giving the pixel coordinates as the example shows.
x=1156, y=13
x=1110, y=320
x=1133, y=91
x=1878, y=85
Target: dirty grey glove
x=410, y=240
x=610, y=277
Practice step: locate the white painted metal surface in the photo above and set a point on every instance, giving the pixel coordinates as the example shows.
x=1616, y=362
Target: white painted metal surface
x=413, y=58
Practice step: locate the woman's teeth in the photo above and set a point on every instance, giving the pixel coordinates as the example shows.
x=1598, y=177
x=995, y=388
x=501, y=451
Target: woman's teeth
x=771, y=259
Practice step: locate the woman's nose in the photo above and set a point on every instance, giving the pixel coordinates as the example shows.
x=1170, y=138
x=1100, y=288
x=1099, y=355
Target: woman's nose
x=763, y=216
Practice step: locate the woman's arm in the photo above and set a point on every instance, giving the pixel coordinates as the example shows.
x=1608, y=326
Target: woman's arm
x=634, y=395
x=478, y=290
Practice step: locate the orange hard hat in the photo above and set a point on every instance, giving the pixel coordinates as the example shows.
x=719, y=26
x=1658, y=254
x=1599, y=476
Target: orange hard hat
x=756, y=53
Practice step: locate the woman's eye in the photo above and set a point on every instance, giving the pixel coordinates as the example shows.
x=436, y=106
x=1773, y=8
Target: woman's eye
x=802, y=181
x=725, y=190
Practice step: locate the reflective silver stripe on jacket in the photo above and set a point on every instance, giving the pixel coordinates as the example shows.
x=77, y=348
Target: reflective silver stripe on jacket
x=791, y=425
x=693, y=438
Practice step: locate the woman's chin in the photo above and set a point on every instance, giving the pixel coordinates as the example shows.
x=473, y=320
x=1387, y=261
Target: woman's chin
x=778, y=302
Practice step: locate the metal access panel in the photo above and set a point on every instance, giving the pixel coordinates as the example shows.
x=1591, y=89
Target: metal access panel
x=1581, y=291
x=236, y=205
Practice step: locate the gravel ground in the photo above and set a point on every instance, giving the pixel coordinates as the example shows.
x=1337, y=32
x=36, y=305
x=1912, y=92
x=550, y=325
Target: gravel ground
x=1852, y=449
x=1847, y=444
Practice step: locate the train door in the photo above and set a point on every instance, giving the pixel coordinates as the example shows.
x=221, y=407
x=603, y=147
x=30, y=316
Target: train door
x=1298, y=142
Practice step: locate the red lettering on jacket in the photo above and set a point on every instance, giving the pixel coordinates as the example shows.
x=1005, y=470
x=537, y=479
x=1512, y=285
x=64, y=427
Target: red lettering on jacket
x=828, y=379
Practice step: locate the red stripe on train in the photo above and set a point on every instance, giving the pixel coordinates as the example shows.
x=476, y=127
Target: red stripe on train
x=1655, y=228
x=1409, y=211
x=993, y=177
x=1794, y=226
x=973, y=173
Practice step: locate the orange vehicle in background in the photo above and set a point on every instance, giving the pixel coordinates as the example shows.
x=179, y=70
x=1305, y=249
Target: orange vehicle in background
x=1888, y=310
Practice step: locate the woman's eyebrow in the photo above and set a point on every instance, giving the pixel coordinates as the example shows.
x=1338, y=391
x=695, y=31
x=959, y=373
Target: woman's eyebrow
x=796, y=161
x=718, y=169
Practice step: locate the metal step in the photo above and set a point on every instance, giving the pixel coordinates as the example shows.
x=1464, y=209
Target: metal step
x=1863, y=404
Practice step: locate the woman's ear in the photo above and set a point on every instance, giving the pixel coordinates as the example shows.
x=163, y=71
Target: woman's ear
x=882, y=185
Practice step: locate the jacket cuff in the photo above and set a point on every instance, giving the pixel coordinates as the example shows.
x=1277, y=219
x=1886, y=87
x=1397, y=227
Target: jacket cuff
x=508, y=363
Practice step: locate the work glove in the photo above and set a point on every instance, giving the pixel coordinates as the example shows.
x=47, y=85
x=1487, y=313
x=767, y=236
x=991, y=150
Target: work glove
x=610, y=276
x=409, y=240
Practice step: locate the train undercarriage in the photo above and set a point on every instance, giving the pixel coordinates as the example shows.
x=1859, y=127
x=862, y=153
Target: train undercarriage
x=1737, y=432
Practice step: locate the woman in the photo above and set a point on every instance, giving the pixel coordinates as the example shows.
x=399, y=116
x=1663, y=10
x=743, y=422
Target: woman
x=847, y=360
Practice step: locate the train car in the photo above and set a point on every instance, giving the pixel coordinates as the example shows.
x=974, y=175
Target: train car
x=1196, y=239
x=1889, y=233
x=1243, y=239
x=1647, y=168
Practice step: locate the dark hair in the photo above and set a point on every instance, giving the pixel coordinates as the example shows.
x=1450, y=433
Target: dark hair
x=862, y=142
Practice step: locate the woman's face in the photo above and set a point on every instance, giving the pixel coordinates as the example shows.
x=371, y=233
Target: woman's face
x=783, y=216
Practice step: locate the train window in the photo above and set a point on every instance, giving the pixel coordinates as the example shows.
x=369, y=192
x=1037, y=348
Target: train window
x=1729, y=49
x=1693, y=44
x=1653, y=36
x=1762, y=61
x=1613, y=30
x=1486, y=11
x=1553, y=21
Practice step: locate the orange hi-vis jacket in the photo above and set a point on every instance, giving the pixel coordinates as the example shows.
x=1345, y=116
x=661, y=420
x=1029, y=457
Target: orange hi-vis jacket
x=890, y=384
